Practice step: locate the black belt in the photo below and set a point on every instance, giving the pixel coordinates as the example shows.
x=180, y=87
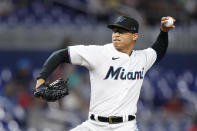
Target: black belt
x=112, y=119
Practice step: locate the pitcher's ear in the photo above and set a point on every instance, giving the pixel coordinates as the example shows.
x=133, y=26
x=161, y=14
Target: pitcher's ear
x=135, y=36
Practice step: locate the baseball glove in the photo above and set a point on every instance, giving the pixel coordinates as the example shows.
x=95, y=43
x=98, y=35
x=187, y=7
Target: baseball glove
x=52, y=92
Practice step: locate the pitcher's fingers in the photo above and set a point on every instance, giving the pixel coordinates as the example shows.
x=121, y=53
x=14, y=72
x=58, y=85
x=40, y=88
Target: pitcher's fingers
x=164, y=18
x=164, y=22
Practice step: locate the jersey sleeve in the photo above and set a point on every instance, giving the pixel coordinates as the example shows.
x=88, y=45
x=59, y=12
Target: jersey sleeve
x=83, y=55
x=150, y=56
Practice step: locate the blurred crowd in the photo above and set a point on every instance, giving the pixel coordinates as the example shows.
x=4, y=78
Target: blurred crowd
x=91, y=12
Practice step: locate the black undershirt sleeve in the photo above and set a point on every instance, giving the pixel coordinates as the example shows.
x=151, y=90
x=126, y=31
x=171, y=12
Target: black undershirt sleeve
x=161, y=45
x=56, y=58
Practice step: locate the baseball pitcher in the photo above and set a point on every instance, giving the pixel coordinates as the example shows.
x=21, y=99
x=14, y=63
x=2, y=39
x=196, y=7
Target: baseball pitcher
x=116, y=75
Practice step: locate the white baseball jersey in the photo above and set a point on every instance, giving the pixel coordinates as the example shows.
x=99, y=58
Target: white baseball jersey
x=116, y=78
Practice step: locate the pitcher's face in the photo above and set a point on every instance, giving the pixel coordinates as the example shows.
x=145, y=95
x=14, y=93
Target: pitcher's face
x=123, y=39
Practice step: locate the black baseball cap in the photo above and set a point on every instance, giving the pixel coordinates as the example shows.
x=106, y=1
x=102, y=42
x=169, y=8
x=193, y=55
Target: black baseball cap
x=126, y=23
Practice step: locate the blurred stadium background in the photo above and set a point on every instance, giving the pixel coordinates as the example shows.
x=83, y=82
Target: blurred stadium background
x=31, y=29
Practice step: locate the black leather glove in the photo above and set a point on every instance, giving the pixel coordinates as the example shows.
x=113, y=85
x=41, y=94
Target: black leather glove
x=52, y=92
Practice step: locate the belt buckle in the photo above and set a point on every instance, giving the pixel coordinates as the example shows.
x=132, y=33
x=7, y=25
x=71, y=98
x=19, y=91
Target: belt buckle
x=111, y=121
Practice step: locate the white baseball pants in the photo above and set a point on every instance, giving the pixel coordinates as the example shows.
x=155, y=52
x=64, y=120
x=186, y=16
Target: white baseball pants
x=91, y=125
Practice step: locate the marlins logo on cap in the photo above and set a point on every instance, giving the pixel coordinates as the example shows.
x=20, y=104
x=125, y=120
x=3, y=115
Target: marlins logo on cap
x=120, y=19
x=133, y=28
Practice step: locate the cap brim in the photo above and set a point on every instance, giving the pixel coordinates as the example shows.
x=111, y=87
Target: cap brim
x=112, y=26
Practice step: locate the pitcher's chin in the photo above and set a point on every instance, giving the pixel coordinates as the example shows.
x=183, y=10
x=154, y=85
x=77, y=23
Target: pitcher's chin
x=117, y=45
